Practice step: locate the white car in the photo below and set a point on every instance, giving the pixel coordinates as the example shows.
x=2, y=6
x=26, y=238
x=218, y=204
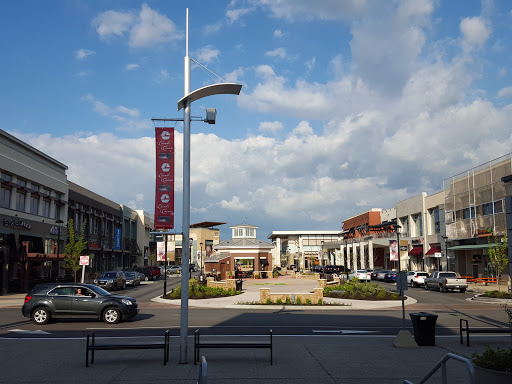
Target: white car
x=416, y=278
x=361, y=274
x=173, y=269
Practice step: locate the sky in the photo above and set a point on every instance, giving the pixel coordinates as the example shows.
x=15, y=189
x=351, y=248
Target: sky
x=345, y=105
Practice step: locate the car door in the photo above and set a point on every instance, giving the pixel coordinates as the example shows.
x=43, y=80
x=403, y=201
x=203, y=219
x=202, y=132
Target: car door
x=85, y=304
x=61, y=298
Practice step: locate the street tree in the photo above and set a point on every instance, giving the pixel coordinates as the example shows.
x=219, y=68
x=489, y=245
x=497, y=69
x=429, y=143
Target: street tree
x=498, y=257
x=74, y=247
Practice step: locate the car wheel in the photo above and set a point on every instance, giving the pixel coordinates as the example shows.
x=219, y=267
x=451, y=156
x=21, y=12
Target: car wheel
x=155, y=277
x=426, y=287
x=462, y=290
x=146, y=278
x=111, y=315
x=124, y=285
x=41, y=316
x=441, y=289
x=114, y=287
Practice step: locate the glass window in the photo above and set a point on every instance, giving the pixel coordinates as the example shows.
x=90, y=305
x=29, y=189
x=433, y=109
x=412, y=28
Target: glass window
x=34, y=205
x=35, y=187
x=20, y=201
x=5, y=176
x=498, y=206
x=5, y=197
x=437, y=221
x=487, y=209
x=46, y=208
x=22, y=183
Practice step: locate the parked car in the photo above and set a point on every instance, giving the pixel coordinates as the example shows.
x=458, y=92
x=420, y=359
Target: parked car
x=48, y=300
x=445, y=281
x=132, y=278
x=390, y=276
x=375, y=272
x=318, y=268
x=337, y=269
x=111, y=280
x=150, y=273
x=192, y=268
x=173, y=269
x=360, y=274
x=381, y=274
x=416, y=278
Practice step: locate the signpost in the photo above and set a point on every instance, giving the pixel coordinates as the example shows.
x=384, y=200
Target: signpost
x=84, y=260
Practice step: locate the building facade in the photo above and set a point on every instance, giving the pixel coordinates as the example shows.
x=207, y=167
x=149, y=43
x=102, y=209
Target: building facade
x=475, y=214
x=33, y=208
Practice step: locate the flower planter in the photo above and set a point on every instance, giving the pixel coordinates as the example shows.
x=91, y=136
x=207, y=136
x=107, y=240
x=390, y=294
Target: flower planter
x=489, y=376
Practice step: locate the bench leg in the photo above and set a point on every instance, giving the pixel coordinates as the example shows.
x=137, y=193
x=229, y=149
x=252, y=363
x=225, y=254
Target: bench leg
x=87, y=353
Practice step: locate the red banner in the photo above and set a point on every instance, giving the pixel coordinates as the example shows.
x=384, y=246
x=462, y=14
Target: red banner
x=164, y=195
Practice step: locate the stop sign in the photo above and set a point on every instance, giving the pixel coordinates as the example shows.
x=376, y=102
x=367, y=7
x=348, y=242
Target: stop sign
x=84, y=260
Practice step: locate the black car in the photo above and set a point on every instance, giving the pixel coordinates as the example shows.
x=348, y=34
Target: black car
x=49, y=300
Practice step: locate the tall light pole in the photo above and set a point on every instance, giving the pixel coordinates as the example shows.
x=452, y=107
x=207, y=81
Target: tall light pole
x=59, y=222
x=185, y=103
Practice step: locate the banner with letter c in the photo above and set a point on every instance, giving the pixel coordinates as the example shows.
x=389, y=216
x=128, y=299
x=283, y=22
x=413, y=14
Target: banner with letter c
x=164, y=191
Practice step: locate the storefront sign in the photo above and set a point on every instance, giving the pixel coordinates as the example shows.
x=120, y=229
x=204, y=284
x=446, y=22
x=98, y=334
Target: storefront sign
x=17, y=224
x=117, y=238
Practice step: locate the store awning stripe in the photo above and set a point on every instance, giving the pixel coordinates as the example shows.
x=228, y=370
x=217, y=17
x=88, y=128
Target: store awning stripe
x=416, y=251
x=473, y=246
x=433, y=250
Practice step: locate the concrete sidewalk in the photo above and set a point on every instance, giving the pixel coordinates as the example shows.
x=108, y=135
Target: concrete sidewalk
x=297, y=359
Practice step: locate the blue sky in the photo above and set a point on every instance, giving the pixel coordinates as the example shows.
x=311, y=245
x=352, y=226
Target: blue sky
x=345, y=105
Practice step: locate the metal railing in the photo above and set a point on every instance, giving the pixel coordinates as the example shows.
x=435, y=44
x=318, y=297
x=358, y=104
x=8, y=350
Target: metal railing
x=444, y=374
x=203, y=377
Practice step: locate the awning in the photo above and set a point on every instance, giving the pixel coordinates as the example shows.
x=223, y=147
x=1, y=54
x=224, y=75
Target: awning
x=416, y=251
x=432, y=251
x=474, y=246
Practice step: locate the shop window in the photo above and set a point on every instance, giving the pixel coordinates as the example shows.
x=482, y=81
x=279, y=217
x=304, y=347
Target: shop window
x=5, y=197
x=20, y=201
x=34, y=205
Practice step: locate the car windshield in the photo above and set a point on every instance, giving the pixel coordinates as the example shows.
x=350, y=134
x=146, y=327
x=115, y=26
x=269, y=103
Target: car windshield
x=99, y=290
x=130, y=274
x=422, y=274
x=108, y=275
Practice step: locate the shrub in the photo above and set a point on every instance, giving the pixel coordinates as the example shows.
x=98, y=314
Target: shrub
x=320, y=301
x=288, y=300
x=496, y=359
x=279, y=301
x=308, y=301
x=269, y=301
x=298, y=301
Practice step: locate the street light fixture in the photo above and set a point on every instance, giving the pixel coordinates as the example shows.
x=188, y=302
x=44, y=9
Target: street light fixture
x=185, y=104
x=59, y=228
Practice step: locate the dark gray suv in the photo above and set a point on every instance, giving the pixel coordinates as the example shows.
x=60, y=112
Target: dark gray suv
x=113, y=280
x=49, y=300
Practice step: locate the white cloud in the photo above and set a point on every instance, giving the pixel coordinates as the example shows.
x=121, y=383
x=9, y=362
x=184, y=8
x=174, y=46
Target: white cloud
x=310, y=64
x=474, y=31
x=310, y=9
x=278, y=34
x=131, y=67
x=505, y=92
x=234, y=205
x=278, y=52
x=303, y=129
x=83, y=53
x=270, y=126
x=207, y=54
x=235, y=14
x=146, y=28
x=112, y=24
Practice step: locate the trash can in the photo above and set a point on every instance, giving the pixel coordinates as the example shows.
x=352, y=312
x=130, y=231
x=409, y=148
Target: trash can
x=238, y=285
x=424, y=325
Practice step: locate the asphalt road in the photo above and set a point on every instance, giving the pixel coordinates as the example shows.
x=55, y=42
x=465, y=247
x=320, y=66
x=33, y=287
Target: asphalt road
x=155, y=317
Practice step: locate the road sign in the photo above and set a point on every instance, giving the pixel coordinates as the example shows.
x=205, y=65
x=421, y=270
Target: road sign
x=84, y=260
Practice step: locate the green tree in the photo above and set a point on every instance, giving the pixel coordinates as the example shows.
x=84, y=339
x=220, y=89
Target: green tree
x=498, y=258
x=74, y=247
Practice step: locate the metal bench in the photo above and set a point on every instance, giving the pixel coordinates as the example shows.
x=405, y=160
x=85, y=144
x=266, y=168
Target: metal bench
x=92, y=346
x=198, y=344
x=478, y=330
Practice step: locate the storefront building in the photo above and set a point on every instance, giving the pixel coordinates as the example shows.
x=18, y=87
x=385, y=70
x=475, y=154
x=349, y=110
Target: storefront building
x=242, y=252
x=475, y=215
x=33, y=209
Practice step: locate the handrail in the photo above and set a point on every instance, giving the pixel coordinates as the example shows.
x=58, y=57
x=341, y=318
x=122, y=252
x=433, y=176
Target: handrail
x=203, y=377
x=442, y=364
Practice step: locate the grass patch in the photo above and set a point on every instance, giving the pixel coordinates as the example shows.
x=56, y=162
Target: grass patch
x=497, y=295
x=356, y=290
x=196, y=291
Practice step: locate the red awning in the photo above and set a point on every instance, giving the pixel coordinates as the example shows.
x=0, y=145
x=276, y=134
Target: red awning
x=433, y=250
x=416, y=251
